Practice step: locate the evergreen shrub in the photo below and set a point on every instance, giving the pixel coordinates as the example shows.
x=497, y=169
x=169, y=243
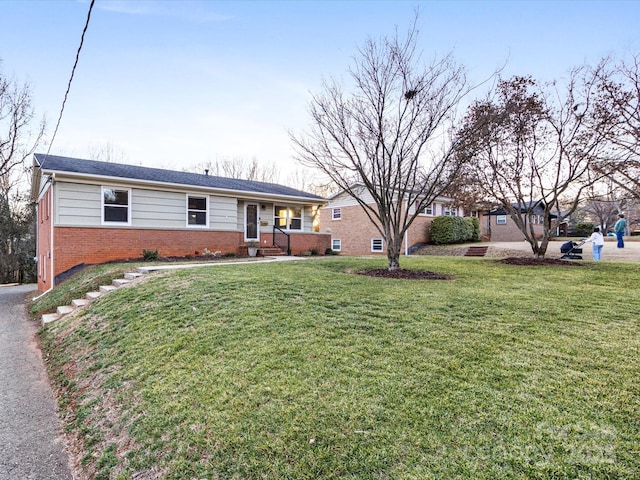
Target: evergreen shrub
x=448, y=230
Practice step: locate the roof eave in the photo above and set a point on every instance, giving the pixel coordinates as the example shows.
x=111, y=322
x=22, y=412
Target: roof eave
x=227, y=192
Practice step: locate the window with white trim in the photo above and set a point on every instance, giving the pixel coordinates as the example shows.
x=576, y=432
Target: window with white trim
x=197, y=211
x=377, y=245
x=288, y=218
x=336, y=244
x=116, y=205
x=449, y=211
x=336, y=213
x=501, y=219
x=429, y=209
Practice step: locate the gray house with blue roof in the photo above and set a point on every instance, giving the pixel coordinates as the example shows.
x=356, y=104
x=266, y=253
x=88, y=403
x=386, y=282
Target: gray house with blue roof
x=92, y=212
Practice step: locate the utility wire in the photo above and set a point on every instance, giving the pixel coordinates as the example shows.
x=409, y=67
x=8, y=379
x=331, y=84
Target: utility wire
x=73, y=71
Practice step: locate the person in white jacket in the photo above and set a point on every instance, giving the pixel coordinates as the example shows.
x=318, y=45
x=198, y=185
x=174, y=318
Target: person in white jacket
x=597, y=240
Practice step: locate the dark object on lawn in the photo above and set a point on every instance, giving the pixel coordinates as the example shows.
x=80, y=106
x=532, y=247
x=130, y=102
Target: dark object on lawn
x=571, y=250
x=404, y=274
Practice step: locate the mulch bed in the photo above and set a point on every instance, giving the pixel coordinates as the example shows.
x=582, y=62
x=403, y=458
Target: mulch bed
x=189, y=259
x=528, y=261
x=404, y=274
x=539, y=262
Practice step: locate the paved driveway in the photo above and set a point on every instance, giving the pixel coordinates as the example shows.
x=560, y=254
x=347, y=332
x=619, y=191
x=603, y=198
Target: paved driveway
x=630, y=252
x=31, y=446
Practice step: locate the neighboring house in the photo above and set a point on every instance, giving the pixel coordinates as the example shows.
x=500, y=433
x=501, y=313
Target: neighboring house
x=498, y=226
x=92, y=212
x=353, y=233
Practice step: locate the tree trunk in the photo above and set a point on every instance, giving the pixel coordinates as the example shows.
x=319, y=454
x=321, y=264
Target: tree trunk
x=544, y=243
x=394, y=245
x=394, y=261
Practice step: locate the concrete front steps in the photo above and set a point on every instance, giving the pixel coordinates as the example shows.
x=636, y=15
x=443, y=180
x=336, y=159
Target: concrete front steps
x=271, y=251
x=476, y=251
x=88, y=298
x=264, y=251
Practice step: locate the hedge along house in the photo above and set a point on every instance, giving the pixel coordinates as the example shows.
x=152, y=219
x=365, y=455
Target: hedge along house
x=92, y=212
x=353, y=233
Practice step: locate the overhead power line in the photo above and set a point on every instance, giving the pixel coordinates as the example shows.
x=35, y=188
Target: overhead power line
x=73, y=71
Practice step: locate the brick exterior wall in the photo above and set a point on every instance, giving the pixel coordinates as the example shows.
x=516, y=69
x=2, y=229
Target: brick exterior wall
x=301, y=243
x=76, y=245
x=355, y=230
x=305, y=242
x=508, y=232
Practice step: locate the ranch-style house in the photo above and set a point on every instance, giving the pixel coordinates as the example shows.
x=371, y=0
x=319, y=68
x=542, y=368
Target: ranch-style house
x=92, y=212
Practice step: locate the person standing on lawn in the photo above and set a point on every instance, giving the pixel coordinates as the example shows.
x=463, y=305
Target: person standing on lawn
x=597, y=240
x=619, y=228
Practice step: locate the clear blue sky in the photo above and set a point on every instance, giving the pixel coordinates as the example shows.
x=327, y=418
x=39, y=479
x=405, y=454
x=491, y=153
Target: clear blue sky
x=175, y=83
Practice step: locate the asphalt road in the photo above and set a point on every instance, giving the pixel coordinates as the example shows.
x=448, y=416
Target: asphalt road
x=31, y=444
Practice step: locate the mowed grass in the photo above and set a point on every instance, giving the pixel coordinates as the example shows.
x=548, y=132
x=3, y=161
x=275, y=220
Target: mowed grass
x=305, y=371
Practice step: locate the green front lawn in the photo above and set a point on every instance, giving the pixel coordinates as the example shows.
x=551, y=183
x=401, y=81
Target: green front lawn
x=304, y=370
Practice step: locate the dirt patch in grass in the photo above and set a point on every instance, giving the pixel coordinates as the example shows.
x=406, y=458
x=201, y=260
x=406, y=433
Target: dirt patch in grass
x=404, y=274
x=538, y=262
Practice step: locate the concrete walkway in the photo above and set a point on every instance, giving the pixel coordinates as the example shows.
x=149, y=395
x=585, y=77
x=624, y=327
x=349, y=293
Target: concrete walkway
x=31, y=442
x=178, y=266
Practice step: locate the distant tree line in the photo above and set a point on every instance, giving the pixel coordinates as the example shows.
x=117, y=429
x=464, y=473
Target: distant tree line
x=17, y=242
x=18, y=140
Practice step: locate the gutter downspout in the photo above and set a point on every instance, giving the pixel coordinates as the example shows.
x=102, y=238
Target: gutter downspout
x=406, y=233
x=406, y=243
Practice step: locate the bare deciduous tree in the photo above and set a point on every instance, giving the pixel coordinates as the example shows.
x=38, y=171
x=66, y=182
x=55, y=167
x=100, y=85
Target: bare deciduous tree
x=239, y=168
x=604, y=201
x=308, y=181
x=17, y=244
x=533, y=146
x=619, y=90
x=390, y=135
x=17, y=139
x=108, y=153
x=17, y=142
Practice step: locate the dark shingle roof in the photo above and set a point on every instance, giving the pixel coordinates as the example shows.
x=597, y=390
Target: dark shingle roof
x=536, y=207
x=104, y=169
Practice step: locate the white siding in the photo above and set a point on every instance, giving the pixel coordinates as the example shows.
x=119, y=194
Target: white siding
x=80, y=205
x=240, y=214
x=346, y=200
x=266, y=215
x=158, y=209
x=77, y=204
x=223, y=213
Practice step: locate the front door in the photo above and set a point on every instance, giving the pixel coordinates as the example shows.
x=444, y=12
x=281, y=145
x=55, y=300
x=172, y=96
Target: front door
x=251, y=230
